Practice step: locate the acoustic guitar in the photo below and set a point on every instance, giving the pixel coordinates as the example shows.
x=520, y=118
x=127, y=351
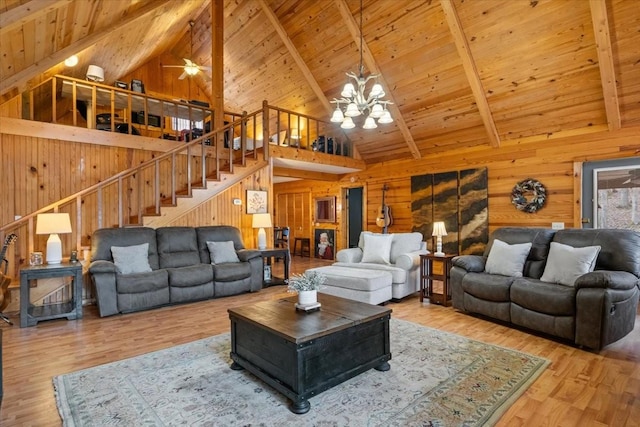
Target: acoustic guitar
x=5, y=281
x=384, y=220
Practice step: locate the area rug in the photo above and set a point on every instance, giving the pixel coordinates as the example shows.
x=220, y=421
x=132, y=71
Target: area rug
x=436, y=379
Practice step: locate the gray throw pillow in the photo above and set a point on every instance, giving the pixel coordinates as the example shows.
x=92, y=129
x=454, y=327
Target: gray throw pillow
x=566, y=263
x=222, y=252
x=131, y=259
x=506, y=259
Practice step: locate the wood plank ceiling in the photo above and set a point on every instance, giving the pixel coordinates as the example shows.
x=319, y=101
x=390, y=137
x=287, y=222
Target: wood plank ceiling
x=461, y=73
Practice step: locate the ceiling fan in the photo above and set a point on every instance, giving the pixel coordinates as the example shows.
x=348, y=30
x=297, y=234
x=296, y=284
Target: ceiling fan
x=190, y=68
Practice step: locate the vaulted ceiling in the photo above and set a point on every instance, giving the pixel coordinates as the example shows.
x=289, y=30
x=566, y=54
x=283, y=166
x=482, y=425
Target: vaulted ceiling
x=461, y=73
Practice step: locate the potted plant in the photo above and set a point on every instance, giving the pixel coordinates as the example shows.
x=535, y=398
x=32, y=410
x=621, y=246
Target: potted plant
x=306, y=285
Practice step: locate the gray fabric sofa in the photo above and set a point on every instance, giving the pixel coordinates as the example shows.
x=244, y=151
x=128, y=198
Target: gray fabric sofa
x=600, y=307
x=180, y=267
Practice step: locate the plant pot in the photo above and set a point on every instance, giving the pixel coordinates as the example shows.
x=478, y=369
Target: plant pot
x=307, y=297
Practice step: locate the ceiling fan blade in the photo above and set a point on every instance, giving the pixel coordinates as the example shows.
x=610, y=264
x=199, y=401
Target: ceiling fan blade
x=188, y=62
x=205, y=68
x=183, y=75
x=173, y=66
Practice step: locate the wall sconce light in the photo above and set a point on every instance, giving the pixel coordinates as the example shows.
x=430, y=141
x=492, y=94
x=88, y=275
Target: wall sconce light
x=95, y=74
x=52, y=224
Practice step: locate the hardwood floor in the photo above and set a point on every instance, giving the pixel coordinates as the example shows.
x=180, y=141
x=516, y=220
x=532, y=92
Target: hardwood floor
x=579, y=388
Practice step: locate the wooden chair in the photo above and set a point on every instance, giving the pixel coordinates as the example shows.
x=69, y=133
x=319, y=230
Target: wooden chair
x=281, y=238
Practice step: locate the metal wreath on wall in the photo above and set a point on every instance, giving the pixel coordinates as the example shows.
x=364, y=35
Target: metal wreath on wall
x=525, y=187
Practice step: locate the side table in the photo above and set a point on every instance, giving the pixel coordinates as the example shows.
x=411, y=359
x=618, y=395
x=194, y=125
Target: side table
x=435, y=268
x=267, y=255
x=30, y=314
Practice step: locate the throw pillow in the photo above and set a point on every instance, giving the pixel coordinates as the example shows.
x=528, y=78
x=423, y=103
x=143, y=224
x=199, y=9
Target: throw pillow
x=566, y=263
x=222, y=252
x=506, y=259
x=377, y=248
x=131, y=259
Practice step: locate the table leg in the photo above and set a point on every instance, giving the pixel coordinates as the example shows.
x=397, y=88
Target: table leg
x=300, y=406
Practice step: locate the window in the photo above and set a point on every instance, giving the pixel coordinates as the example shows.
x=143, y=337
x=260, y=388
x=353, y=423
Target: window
x=180, y=124
x=611, y=194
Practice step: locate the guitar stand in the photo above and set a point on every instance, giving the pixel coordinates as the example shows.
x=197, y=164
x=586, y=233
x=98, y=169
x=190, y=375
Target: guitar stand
x=6, y=319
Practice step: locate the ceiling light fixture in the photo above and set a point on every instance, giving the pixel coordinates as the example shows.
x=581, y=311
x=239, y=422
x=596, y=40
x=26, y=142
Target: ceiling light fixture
x=357, y=103
x=71, y=61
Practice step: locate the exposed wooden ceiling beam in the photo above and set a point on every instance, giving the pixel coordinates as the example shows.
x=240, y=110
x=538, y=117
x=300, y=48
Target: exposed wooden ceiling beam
x=372, y=65
x=19, y=15
x=296, y=56
x=605, y=61
x=471, y=71
x=22, y=77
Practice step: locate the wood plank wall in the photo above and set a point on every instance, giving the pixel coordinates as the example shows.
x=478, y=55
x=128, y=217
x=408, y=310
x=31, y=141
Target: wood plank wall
x=552, y=162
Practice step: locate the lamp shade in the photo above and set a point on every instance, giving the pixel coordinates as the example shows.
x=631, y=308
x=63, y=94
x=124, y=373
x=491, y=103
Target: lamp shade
x=438, y=229
x=261, y=220
x=347, y=123
x=95, y=73
x=386, y=117
x=53, y=223
x=337, y=116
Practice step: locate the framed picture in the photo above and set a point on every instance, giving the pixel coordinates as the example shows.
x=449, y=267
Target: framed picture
x=324, y=243
x=256, y=202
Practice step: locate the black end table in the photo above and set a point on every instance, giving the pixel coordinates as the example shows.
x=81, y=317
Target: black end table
x=30, y=314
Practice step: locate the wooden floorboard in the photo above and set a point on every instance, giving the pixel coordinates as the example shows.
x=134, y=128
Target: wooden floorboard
x=580, y=388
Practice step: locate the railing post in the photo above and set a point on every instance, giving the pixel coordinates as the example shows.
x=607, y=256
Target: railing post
x=265, y=129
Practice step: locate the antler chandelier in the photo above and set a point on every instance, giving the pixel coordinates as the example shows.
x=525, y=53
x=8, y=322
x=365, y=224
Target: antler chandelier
x=357, y=103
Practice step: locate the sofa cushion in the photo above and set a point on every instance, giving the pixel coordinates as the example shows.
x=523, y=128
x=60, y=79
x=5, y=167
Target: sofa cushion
x=191, y=275
x=619, y=248
x=506, y=259
x=487, y=287
x=131, y=259
x=539, y=239
x=177, y=246
x=217, y=233
x=543, y=297
x=139, y=283
x=377, y=248
x=398, y=275
x=221, y=252
x=104, y=238
x=566, y=263
x=231, y=271
x=403, y=243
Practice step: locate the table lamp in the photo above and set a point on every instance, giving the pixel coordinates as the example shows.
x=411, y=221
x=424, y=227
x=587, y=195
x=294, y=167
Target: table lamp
x=439, y=230
x=52, y=224
x=261, y=220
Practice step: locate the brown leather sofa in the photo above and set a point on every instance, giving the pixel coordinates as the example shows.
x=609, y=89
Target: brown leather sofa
x=600, y=308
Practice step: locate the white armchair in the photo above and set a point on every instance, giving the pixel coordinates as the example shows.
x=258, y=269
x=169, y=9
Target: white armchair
x=397, y=253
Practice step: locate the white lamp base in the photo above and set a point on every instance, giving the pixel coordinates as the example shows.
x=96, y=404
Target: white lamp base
x=439, y=246
x=262, y=239
x=54, y=249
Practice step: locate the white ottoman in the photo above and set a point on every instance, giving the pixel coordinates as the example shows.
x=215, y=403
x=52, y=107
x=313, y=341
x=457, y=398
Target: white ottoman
x=369, y=286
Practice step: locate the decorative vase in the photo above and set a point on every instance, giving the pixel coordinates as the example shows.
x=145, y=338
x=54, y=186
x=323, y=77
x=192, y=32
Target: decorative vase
x=307, y=297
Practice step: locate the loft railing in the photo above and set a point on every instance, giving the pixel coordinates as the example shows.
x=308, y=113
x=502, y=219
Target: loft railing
x=127, y=196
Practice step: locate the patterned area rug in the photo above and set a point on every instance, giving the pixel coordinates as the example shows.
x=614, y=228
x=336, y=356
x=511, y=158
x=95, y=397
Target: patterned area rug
x=436, y=379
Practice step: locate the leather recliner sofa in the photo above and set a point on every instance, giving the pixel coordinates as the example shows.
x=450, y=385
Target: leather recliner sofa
x=180, y=267
x=600, y=308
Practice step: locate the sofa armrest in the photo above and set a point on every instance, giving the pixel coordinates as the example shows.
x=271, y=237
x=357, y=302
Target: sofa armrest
x=621, y=280
x=245, y=255
x=470, y=263
x=410, y=260
x=102, y=266
x=349, y=255
x=103, y=275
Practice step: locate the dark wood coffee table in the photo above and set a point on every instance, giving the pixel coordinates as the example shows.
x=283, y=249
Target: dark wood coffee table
x=303, y=354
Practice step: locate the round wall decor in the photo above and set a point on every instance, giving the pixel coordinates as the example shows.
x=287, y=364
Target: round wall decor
x=524, y=187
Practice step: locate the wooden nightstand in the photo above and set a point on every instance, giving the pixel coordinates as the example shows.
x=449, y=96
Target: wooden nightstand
x=435, y=269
